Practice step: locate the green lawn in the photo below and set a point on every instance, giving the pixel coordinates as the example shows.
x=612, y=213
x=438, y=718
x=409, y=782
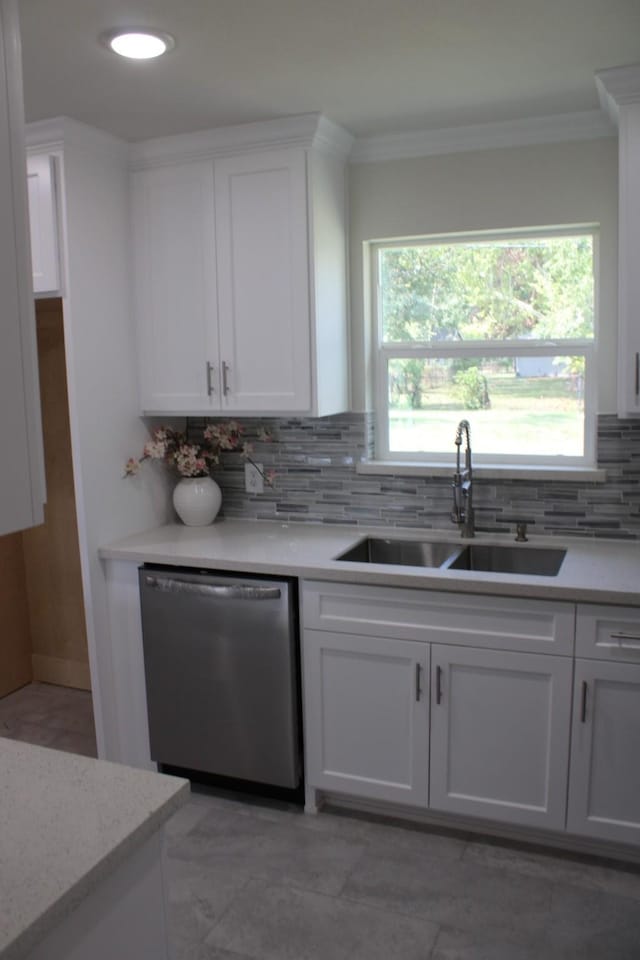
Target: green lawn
x=528, y=416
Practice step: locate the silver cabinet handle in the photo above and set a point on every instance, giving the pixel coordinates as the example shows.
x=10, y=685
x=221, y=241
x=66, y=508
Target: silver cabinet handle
x=233, y=592
x=210, y=387
x=438, y=685
x=621, y=637
x=418, y=690
x=583, y=704
x=637, y=374
x=225, y=382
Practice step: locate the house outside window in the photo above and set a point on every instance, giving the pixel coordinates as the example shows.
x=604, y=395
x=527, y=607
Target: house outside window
x=497, y=329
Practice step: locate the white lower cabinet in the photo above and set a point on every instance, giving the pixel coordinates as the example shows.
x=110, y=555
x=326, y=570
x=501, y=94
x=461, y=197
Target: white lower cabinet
x=367, y=716
x=604, y=787
x=512, y=726
x=500, y=735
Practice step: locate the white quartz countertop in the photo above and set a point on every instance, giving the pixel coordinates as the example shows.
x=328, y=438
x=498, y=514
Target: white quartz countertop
x=66, y=822
x=597, y=571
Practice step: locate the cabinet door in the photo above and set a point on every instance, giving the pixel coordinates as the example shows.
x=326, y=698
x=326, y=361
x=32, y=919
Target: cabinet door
x=175, y=288
x=366, y=716
x=263, y=281
x=43, y=224
x=628, y=274
x=22, y=462
x=604, y=788
x=500, y=735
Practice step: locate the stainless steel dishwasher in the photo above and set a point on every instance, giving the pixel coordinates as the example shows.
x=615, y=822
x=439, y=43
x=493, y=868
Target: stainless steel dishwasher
x=221, y=667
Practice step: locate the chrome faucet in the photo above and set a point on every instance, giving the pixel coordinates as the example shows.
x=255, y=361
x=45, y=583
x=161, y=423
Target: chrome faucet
x=462, y=485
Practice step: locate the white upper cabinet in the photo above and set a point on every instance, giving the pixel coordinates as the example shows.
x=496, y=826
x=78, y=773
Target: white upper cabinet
x=620, y=95
x=175, y=288
x=21, y=470
x=43, y=224
x=240, y=270
x=263, y=280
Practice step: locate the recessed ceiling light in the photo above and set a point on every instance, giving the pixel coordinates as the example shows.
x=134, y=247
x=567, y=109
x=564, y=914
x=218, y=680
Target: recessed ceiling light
x=138, y=44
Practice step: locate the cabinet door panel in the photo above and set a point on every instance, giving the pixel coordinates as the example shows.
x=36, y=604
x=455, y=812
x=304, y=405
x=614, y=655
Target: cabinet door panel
x=263, y=289
x=500, y=735
x=604, y=794
x=174, y=230
x=43, y=224
x=366, y=716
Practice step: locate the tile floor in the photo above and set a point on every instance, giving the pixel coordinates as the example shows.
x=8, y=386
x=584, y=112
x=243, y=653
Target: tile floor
x=50, y=716
x=252, y=879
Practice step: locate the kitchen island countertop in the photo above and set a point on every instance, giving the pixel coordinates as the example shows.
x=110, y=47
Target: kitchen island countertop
x=66, y=823
x=594, y=570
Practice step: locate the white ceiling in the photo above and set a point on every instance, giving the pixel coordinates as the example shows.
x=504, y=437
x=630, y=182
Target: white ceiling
x=374, y=66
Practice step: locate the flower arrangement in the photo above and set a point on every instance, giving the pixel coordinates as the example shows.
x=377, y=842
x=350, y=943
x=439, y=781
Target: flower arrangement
x=196, y=459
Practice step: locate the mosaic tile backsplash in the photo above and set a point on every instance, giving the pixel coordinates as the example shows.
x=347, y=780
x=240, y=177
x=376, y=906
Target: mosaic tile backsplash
x=316, y=481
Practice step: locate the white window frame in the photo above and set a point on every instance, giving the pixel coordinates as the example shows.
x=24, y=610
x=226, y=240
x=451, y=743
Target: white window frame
x=384, y=352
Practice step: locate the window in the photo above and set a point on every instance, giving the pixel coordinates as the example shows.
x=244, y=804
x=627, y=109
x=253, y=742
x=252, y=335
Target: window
x=495, y=329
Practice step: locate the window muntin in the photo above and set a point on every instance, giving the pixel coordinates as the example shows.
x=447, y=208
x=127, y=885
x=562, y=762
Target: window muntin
x=498, y=330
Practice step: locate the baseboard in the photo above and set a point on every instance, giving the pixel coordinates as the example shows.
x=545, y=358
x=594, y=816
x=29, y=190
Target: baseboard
x=528, y=836
x=65, y=673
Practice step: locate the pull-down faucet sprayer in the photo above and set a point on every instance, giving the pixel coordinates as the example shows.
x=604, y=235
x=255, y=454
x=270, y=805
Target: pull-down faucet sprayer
x=462, y=485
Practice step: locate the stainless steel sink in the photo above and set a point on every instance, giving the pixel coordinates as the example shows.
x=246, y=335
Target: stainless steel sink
x=411, y=553
x=527, y=561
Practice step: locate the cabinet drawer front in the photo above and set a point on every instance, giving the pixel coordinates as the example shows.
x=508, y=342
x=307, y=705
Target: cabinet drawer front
x=608, y=633
x=497, y=622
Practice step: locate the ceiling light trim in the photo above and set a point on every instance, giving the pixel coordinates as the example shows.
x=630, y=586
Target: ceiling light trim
x=557, y=128
x=107, y=39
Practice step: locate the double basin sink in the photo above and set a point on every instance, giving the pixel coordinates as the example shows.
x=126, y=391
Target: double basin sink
x=521, y=560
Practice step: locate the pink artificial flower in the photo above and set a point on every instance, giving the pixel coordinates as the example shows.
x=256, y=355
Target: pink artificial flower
x=155, y=449
x=131, y=467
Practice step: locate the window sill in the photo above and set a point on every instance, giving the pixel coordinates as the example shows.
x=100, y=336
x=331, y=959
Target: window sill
x=482, y=472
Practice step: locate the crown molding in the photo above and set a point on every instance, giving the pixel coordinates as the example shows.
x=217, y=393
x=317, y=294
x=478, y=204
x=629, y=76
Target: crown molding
x=305, y=130
x=619, y=86
x=586, y=125
x=61, y=132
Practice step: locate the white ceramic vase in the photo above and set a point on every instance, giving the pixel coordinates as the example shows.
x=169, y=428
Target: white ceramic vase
x=197, y=500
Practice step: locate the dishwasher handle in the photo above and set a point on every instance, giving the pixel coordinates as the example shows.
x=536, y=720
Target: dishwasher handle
x=231, y=592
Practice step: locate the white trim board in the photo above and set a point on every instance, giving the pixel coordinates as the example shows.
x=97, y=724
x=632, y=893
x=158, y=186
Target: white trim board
x=559, y=128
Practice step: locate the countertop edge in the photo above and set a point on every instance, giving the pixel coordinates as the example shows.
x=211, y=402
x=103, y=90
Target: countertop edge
x=447, y=581
x=23, y=943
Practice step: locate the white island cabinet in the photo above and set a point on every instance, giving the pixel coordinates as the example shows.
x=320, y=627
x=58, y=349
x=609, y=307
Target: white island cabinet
x=82, y=873
x=240, y=270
